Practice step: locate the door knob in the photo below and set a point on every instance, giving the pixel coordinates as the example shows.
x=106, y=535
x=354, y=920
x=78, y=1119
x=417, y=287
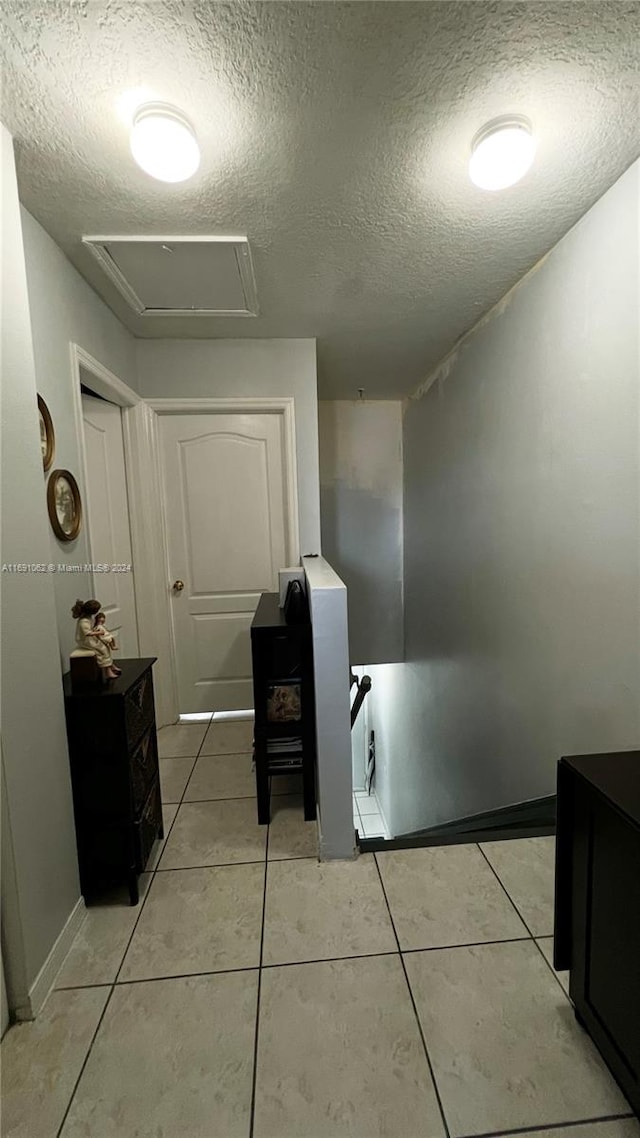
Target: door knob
x=178, y=586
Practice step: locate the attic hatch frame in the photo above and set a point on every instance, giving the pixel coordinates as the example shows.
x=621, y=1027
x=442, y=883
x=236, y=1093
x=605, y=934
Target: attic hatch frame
x=97, y=245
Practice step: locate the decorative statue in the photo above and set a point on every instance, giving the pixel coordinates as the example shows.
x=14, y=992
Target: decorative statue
x=92, y=636
x=100, y=627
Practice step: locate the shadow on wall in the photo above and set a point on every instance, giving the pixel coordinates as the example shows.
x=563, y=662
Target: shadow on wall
x=361, y=517
x=521, y=496
x=361, y=538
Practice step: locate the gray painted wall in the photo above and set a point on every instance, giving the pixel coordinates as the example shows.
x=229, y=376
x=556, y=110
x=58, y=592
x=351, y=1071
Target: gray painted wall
x=522, y=585
x=361, y=514
x=4, y=1002
x=64, y=310
x=40, y=884
x=224, y=368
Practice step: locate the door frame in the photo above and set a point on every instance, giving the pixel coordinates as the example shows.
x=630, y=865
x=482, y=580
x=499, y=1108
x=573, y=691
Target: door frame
x=145, y=510
x=152, y=554
x=106, y=385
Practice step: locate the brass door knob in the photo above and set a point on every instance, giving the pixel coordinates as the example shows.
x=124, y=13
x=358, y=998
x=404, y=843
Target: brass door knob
x=178, y=586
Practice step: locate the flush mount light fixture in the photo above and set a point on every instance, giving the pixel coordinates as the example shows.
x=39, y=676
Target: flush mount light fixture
x=502, y=152
x=164, y=144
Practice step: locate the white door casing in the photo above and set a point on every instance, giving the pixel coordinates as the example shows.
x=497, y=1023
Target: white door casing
x=107, y=519
x=227, y=497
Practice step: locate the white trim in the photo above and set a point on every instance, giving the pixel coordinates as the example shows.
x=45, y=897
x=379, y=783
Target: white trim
x=245, y=403
x=47, y=975
x=248, y=715
x=107, y=385
x=153, y=239
x=328, y=608
x=145, y=518
x=240, y=244
x=149, y=553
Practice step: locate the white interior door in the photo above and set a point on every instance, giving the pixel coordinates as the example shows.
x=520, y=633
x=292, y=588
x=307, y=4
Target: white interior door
x=107, y=518
x=226, y=521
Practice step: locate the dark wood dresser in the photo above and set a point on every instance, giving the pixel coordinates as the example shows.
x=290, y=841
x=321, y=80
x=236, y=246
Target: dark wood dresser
x=282, y=661
x=113, y=750
x=597, y=907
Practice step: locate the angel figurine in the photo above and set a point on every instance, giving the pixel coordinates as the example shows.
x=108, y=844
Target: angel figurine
x=99, y=626
x=92, y=636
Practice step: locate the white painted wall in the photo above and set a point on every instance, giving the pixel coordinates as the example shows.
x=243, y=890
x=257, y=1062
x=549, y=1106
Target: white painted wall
x=361, y=516
x=328, y=607
x=65, y=309
x=40, y=886
x=522, y=575
x=224, y=368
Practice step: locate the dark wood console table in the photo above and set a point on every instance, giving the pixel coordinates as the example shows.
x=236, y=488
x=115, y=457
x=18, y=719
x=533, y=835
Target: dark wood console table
x=113, y=750
x=282, y=656
x=597, y=905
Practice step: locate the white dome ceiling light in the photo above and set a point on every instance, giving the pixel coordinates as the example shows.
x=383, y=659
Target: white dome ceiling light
x=164, y=144
x=502, y=152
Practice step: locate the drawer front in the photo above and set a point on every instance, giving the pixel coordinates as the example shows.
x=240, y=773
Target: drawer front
x=147, y=827
x=144, y=767
x=138, y=708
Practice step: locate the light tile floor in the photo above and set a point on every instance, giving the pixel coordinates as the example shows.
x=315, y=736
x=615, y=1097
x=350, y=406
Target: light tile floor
x=256, y=993
x=367, y=815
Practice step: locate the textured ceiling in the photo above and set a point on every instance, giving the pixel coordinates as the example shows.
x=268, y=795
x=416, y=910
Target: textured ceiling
x=336, y=135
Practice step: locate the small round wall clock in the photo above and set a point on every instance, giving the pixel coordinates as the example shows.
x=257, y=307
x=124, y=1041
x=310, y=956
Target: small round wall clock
x=47, y=434
x=64, y=505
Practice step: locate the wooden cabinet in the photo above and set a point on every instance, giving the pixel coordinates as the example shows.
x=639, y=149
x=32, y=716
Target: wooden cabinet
x=284, y=702
x=113, y=751
x=597, y=909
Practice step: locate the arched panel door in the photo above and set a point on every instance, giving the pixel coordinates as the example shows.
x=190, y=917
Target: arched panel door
x=225, y=509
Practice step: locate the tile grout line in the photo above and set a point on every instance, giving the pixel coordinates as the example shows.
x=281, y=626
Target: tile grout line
x=252, y=1109
x=504, y=889
x=553, y=972
x=228, y=864
x=153, y=871
x=413, y=1004
x=86, y=1058
x=533, y=938
x=228, y=798
x=155, y=868
x=531, y=935
x=551, y=1126
x=179, y=804
x=295, y=963
x=112, y=984
x=465, y=944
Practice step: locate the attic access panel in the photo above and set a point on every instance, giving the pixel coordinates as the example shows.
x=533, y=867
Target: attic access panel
x=180, y=276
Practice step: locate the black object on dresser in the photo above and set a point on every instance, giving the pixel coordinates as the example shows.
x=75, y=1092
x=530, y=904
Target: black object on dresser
x=284, y=702
x=113, y=750
x=597, y=907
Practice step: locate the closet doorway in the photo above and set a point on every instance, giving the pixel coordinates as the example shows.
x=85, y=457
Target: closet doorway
x=100, y=400
x=107, y=517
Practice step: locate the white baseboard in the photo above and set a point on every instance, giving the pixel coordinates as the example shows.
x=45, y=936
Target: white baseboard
x=46, y=977
x=388, y=833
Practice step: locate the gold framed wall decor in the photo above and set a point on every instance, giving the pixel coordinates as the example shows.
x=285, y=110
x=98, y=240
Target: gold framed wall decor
x=47, y=434
x=64, y=505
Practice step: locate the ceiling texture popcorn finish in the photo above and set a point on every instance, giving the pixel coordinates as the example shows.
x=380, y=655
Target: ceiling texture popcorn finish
x=337, y=137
